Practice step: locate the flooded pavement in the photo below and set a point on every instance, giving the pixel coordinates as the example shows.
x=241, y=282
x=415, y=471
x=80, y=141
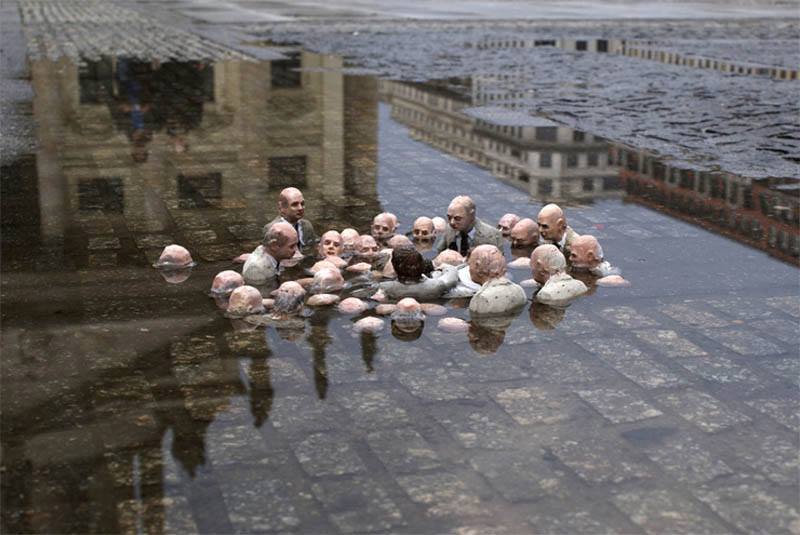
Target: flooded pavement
x=133, y=405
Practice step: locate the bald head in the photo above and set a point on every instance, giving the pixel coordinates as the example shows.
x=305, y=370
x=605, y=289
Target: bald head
x=525, y=233
x=506, y=223
x=546, y=261
x=291, y=205
x=486, y=262
x=423, y=229
x=366, y=246
x=330, y=244
x=552, y=223
x=461, y=213
x=399, y=240
x=289, y=298
x=327, y=280
x=280, y=241
x=585, y=252
x=383, y=226
x=439, y=225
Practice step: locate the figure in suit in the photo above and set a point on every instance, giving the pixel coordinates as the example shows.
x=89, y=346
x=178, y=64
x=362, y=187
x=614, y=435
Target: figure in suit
x=553, y=228
x=291, y=209
x=465, y=231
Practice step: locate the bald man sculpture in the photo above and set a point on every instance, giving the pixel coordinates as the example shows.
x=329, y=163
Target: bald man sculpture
x=586, y=255
x=506, y=223
x=292, y=208
x=280, y=243
x=549, y=269
x=553, y=228
x=465, y=231
x=524, y=234
x=383, y=227
x=498, y=295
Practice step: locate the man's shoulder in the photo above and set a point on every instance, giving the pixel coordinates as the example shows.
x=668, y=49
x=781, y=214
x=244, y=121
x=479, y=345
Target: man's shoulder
x=488, y=233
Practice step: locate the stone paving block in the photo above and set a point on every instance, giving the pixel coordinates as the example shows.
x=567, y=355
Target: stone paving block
x=578, y=323
x=328, y=454
x=787, y=331
x=200, y=237
x=663, y=511
x=248, y=231
x=554, y=366
x=371, y=409
x=296, y=415
x=573, y=522
x=102, y=259
x=742, y=308
x=749, y=507
x=484, y=428
x=221, y=252
x=743, y=342
x=785, y=411
x=343, y=368
x=358, y=505
x=719, y=369
x=155, y=515
x=537, y=405
x=703, y=410
x=618, y=406
x=787, y=368
x=670, y=343
x=486, y=370
x=403, y=451
x=519, y=476
x=629, y=361
x=262, y=504
x=443, y=495
x=627, y=317
x=153, y=241
x=771, y=455
x=789, y=304
x=435, y=384
x=103, y=243
x=600, y=461
x=687, y=460
x=233, y=444
x=691, y=316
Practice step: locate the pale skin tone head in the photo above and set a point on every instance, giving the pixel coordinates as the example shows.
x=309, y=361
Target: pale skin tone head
x=461, y=214
x=552, y=223
x=546, y=261
x=330, y=244
x=281, y=241
x=366, y=246
x=383, y=226
x=399, y=240
x=585, y=252
x=439, y=225
x=448, y=256
x=506, y=223
x=423, y=229
x=525, y=233
x=486, y=263
x=291, y=205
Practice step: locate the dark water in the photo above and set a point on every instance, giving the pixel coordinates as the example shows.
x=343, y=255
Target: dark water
x=131, y=404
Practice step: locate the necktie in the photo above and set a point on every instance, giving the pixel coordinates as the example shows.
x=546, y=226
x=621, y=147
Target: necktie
x=297, y=229
x=464, y=243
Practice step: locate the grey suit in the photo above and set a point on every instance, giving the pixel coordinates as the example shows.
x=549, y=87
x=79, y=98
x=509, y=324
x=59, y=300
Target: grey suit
x=309, y=236
x=485, y=234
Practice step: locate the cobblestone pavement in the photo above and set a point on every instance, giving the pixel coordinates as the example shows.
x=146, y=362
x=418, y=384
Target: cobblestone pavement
x=707, y=119
x=132, y=405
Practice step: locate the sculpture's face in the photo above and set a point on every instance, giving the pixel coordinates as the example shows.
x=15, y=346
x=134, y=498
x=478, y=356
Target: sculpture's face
x=423, y=229
x=287, y=249
x=551, y=226
x=367, y=246
x=506, y=223
x=331, y=244
x=459, y=218
x=523, y=236
x=382, y=227
x=292, y=206
x=581, y=256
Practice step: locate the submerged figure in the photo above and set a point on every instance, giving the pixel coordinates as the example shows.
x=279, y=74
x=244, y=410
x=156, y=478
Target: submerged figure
x=330, y=244
x=245, y=300
x=465, y=230
x=226, y=281
x=349, y=238
x=423, y=230
x=497, y=295
x=506, y=223
x=411, y=268
x=174, y=257
x=291, y=209
x=553, y=228
x=549, y=269
x=288, y=300
x=524, y=234
x=327, y=281
x=280, y=243
x=407, y=319
x=439, y=225
x=587, y=255
x=383, y=227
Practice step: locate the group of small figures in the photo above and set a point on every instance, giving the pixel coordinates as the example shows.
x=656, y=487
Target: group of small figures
x=346, y=269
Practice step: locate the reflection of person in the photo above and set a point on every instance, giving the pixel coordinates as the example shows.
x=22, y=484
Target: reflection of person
x=291, y=209
x=497, y=295
x=553, y=228
x=545, y=317
x=465, y=231
x=486, y=334
x=280, y=243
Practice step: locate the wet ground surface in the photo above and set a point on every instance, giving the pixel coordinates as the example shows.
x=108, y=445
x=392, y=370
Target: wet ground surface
x=130, y=404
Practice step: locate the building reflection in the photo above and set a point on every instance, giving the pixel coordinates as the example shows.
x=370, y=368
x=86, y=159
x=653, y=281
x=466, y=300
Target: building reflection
x=552, y=162
x=761, y=213
x=132, y=156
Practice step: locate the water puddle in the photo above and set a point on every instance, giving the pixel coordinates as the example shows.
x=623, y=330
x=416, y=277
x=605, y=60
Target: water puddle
x=133, y=404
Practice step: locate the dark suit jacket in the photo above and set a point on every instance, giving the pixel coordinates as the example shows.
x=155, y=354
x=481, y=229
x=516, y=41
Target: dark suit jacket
x=485, y=234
